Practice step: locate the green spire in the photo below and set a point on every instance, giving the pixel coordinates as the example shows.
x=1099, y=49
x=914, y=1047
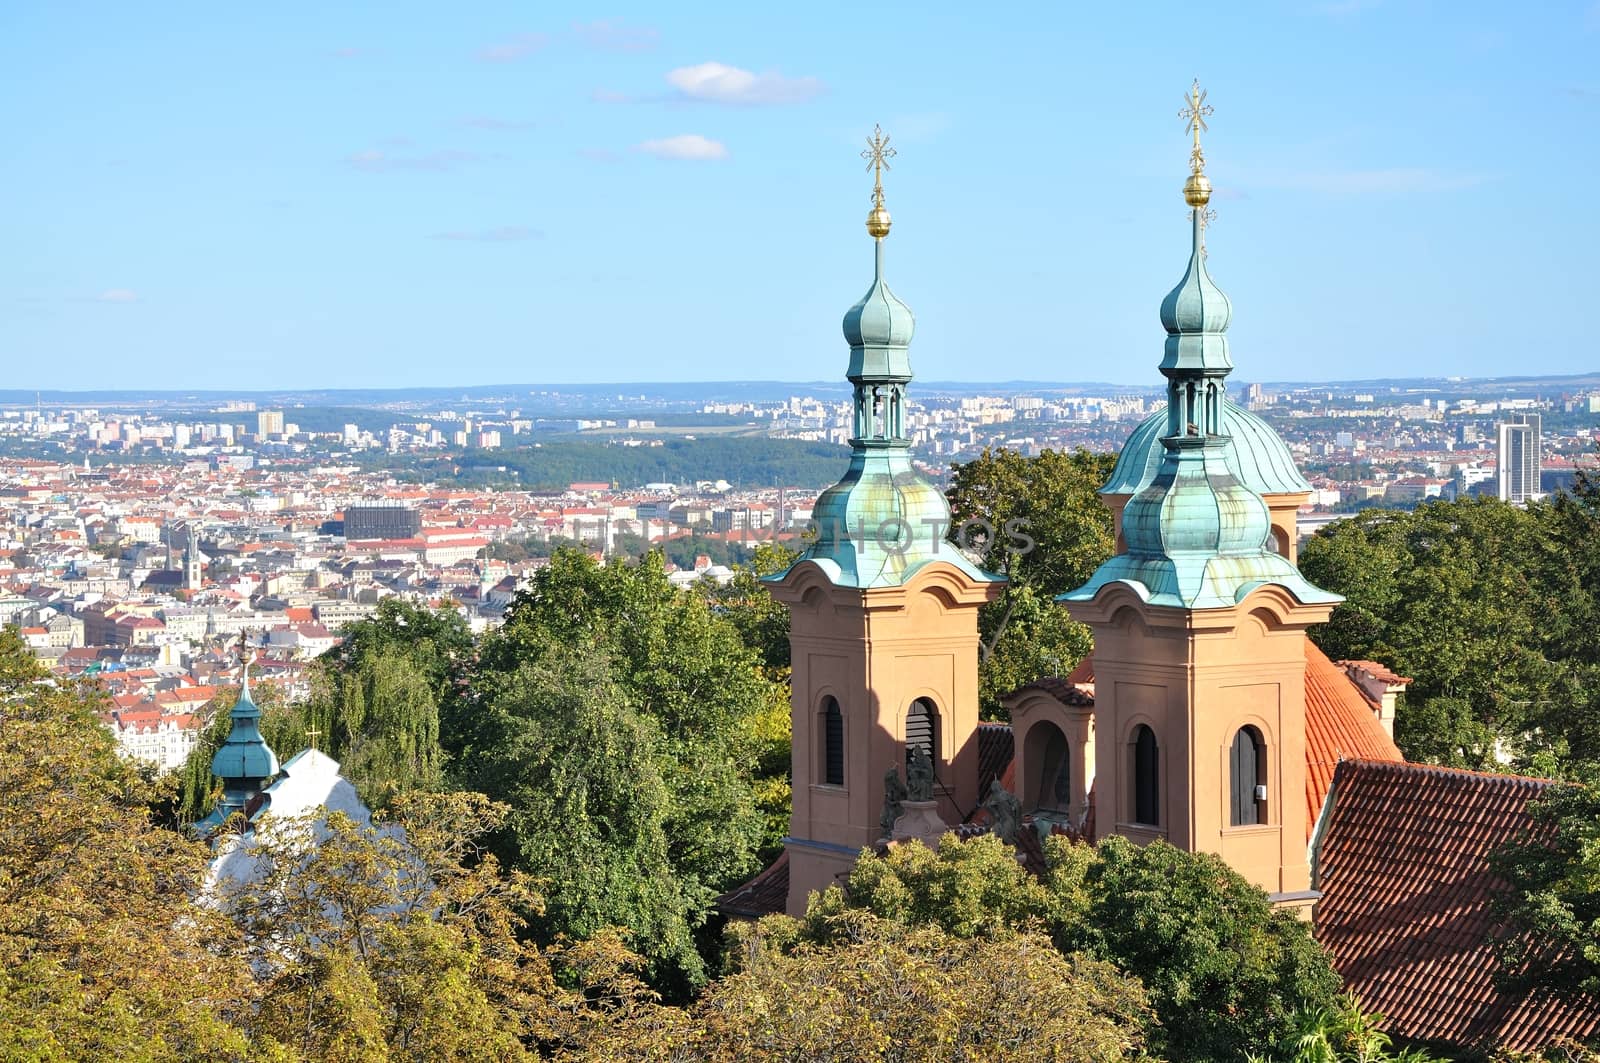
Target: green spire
x=244, y=763
x=883, y=520
x=1196, y=537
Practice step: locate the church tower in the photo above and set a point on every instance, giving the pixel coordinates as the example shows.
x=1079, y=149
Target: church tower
x=193, y=579
x=883, y=612
x=1199, y=620
x=244, y=763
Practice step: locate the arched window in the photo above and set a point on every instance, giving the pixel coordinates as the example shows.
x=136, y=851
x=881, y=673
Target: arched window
x=1247, y=774
x=832, y=742
x=922, y=730
x=1146, y=776
x=1049, y=783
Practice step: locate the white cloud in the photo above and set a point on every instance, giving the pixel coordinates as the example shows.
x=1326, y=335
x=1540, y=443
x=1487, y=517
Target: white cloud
x=117, y=295
x=616, y=36
x=500, y=234
x=719, y=83
x=690, y=146
x=514, y=48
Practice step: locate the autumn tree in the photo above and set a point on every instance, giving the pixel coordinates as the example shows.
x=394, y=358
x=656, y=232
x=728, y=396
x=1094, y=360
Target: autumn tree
x=398, y=940
x=102, y=953
x=886, y=990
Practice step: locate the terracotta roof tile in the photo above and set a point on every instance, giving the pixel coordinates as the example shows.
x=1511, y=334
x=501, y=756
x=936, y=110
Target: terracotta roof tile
x=1405, y=909
x=1340, y=724
x=766, y=894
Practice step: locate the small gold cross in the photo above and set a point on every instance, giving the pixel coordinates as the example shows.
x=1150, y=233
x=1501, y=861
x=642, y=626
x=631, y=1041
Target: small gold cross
x=313, y=734
x=878, y=154
x=1194, y=114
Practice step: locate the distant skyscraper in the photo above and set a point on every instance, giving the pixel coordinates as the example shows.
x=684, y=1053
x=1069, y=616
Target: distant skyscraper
x=269, y=423
x=1519, y=457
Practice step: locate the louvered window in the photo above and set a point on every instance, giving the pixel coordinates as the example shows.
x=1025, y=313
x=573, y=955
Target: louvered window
x=922, y=731
x=832, y=743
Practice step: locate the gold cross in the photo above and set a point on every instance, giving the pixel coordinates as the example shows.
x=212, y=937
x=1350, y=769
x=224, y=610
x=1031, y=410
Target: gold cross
x=878, y=154
x=1194, y=114
x=313, y=734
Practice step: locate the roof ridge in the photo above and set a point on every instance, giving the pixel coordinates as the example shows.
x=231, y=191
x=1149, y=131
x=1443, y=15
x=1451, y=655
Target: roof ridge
x=1445, y=770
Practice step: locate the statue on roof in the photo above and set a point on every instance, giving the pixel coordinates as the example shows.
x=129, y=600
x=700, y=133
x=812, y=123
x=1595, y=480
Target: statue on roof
x=1005, y=812
x=919, y=776
x=894, y=794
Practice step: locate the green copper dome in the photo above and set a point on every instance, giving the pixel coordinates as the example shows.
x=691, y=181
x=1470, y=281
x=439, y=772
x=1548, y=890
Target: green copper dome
x=1197, y=529
x=245, y=756
x=1196, y=314
x=883, y=520
x=1197, y=538
x=878, y=330
x=1255, y=454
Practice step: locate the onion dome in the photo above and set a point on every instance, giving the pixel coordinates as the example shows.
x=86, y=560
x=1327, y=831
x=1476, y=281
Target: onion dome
x=878, y=329
x=244, y=762
x=1197, y=529
x=883, y=520
x=1255, y=454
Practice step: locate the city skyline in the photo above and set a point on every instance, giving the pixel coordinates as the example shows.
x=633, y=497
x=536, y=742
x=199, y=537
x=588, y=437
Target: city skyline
x=258, y=202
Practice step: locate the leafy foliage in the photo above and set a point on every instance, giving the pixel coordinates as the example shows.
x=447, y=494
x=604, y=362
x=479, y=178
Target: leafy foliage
x=1344, y=1033
x=1490, y=608
x=101, y=954
x=654, y=672
x=378, y=697
x=396, y=941
x=1224, y=971
x=1552, y=896
x=1040, y=523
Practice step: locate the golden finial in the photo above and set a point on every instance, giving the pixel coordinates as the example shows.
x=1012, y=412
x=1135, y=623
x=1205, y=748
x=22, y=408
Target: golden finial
x=1197, y=189
x=878, y=154
x=313, y=734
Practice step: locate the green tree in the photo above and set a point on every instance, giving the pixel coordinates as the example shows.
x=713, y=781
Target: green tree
x=1473, y=599
x=1225, y=973
x=1343, y=1033
x=584, y=773
x=1552, y=896
x=1039, y=522
x=762, y=622
x=377, y=698
x=679, y=666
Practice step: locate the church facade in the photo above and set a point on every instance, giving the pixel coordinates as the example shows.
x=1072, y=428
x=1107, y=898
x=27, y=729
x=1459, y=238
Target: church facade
x=1204, y=717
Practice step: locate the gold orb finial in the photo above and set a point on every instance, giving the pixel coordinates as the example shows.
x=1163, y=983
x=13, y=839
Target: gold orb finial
x=1197, y=189
x=878, y=154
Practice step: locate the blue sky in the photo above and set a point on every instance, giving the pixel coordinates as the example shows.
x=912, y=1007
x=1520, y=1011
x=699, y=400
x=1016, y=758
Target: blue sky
x=250, y=196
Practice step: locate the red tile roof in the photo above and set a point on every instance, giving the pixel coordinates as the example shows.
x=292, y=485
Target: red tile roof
x=1405, y=913
x=765, y=894
x=1340, y=724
